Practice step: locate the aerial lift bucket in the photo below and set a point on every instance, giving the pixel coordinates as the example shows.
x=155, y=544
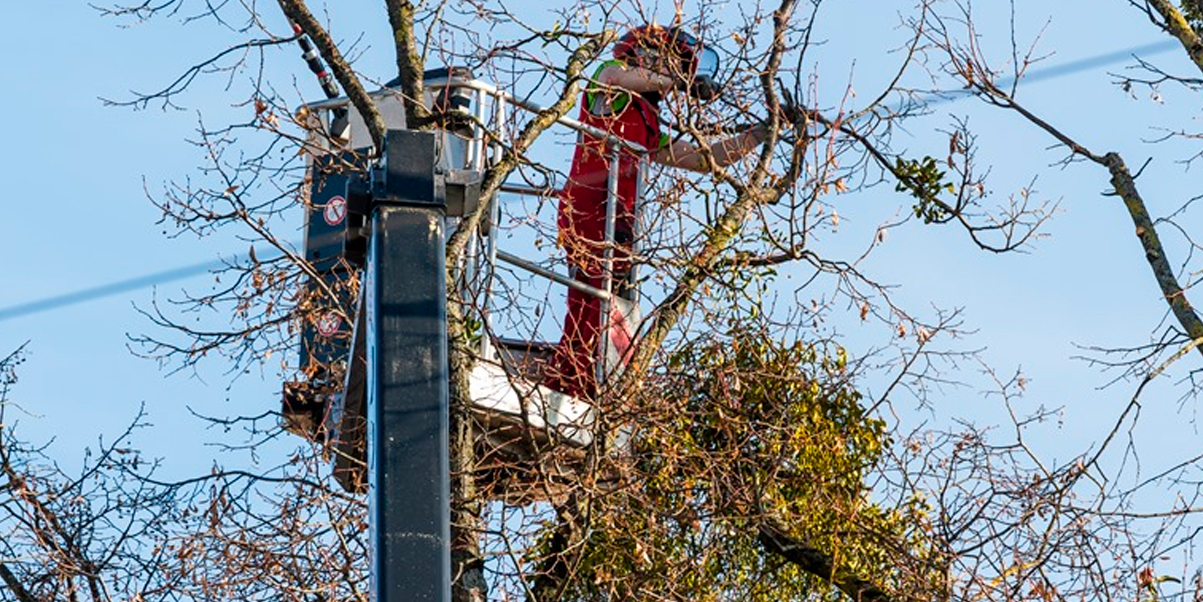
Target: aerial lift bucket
x=522, y=418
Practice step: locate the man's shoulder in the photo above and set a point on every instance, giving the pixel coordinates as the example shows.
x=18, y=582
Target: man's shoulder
x=601, y=100
x=607, y=67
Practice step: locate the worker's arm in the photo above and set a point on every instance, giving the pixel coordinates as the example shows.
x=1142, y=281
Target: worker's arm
x=635, y=79
x=685, y=155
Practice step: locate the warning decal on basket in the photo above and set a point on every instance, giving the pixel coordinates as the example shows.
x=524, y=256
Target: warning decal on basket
x=335, y=211
x=328, y=324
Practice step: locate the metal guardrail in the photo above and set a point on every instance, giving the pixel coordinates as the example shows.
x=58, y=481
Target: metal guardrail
x=537, y=269
x=474, y=158
x=495, y=92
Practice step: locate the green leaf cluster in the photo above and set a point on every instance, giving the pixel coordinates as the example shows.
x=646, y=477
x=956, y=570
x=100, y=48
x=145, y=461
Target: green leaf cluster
x=742, y=430
x=924, y=181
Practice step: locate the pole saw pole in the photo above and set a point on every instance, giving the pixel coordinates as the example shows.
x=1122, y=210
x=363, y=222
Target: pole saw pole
x=339, y=122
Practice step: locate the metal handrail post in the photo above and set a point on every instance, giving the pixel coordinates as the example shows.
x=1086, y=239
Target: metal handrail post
x=607, y=266
x=486, y=342
x=478, y=133
x=636, y=232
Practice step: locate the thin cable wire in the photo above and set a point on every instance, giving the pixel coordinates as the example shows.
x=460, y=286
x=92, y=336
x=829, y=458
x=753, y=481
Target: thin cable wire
x=106, y=290
x=1057, y=71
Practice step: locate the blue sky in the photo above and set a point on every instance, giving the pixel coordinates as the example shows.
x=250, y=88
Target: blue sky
x=84, y=221
x=79, y=218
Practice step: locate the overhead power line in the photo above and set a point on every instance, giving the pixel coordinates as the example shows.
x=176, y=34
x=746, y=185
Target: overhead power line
x=107, y=290
x=1055, y=71
x=1064, y=69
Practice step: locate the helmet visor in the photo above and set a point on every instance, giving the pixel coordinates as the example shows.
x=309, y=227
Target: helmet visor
x=707, y=63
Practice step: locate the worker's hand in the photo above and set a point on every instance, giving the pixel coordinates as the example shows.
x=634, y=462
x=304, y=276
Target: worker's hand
x=636, y=79
x=792, y=116
x=790, y=112
x=704, y=88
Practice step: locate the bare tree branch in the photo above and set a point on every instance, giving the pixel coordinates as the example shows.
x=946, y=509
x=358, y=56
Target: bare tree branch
x=821, y=565
x=409, y=61
x=14, y=585
x=1177, y=25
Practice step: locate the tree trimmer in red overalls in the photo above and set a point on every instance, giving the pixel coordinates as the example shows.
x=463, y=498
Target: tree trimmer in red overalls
x=623, y=100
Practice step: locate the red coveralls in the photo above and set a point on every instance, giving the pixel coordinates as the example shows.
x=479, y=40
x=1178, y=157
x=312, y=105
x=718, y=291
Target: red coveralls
x=582, y=226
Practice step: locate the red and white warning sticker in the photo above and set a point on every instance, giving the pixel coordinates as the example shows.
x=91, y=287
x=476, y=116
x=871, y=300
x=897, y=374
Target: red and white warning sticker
x=335, y=211
x=328, y=324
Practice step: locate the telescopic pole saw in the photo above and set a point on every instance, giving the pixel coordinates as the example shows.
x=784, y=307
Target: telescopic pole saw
x=339, y=120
